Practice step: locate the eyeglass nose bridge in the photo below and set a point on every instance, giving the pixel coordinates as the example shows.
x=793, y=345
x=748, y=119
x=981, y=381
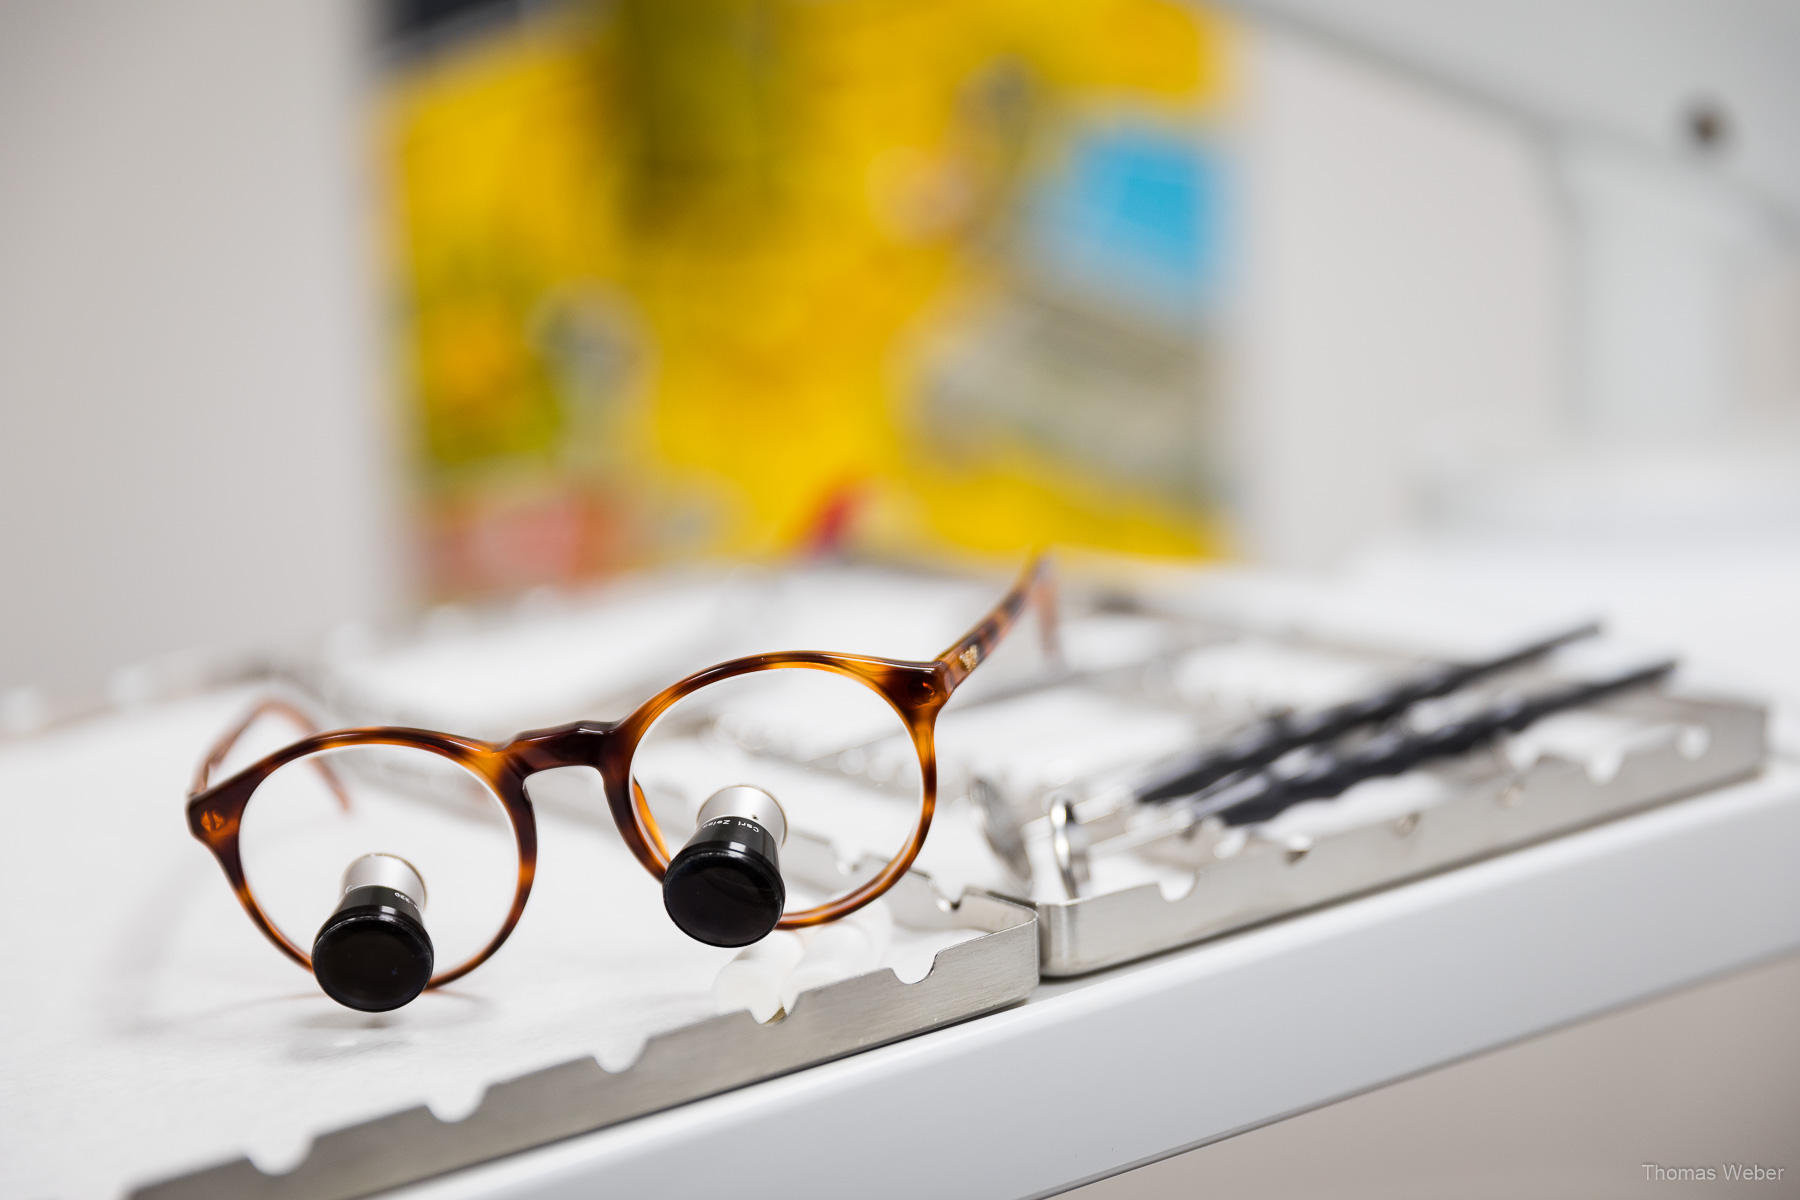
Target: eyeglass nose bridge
x=577, y=744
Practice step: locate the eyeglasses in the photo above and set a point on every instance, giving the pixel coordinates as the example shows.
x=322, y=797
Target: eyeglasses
x=762, y=737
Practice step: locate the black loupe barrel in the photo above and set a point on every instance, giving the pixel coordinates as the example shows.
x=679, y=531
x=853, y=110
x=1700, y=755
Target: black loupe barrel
x=724, y=887
x=373, y=953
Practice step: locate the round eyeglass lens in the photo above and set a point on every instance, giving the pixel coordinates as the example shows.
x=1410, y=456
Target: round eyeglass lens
x=830, y=750
x=307, y=823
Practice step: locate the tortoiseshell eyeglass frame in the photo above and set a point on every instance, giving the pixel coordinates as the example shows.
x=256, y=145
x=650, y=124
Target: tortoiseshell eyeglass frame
x=917, y=691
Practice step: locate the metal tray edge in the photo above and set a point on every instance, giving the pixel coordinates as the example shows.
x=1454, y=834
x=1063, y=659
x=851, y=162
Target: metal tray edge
x=1152, y=925
x=987, y=973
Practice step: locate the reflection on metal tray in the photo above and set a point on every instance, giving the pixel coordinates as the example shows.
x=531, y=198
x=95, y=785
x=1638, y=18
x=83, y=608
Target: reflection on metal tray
x=1491, y=810
x=989, y=972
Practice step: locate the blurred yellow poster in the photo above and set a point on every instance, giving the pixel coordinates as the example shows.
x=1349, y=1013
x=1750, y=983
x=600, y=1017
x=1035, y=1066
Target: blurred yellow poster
x=696, y=277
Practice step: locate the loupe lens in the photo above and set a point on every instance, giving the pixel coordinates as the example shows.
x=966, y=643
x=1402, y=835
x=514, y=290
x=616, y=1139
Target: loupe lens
x=373, y=953
x=724, y=886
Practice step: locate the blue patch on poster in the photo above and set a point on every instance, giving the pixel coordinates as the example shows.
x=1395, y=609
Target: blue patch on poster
x=1131, y=216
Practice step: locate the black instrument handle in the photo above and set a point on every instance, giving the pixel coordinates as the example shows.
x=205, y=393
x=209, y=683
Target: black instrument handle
x=1393, y=752
x=1274, y=737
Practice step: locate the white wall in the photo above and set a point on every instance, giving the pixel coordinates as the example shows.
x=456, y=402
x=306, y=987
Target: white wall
x=189, y=454
x=1403, y=276
x=1622, y=70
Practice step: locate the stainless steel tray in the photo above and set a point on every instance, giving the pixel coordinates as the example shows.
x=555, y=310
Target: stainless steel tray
x=1491, y=811
x=989, y=972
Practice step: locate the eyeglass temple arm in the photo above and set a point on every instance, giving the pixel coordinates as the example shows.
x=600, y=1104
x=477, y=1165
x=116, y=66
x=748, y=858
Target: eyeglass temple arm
x=270, y=706
x=1036, y=588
